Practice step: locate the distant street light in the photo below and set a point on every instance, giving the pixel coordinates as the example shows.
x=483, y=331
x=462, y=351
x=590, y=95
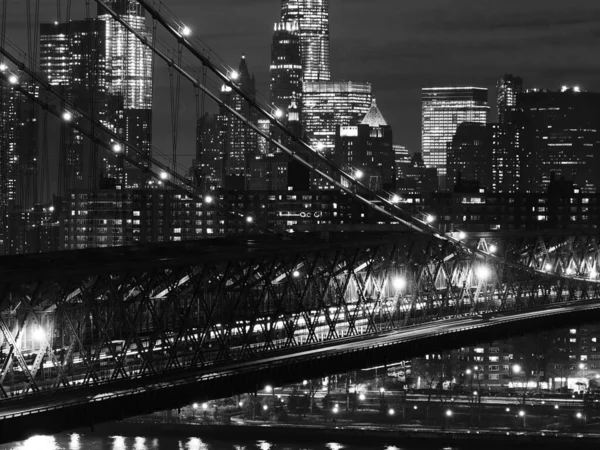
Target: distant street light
x=13, y=79
x=204, y=406
x=493, y=248
x=268, y=388
x=448, y=413
x=358, y=174
x=391, y=412
x=185, y=31
x=516, y=368
x=195, y=406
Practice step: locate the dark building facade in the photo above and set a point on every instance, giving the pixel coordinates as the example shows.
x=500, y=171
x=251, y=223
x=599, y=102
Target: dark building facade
x=470, y=155
x=560, y=134
x=367, y=147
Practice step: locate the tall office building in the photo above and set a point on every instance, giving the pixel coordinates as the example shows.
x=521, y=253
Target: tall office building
x=329, y=104
x=444, y=109
x=238, y=142
x=312, y=17
x=470, y=155
x=506, y=157
x=507, y=89
x=73, y=59
x=560, y=136
x=129, y=81
x=286, y=72
x=368, y=147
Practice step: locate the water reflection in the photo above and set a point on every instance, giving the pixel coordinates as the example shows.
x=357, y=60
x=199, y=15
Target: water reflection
x=334, y=446
x=38, y=443
x=263, y=445
x=75, y=443
x=196, y=444
x=118, y=443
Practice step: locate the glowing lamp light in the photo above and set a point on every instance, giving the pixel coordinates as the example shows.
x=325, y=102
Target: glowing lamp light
x=362, y=397
x=468, y=372
x=185, y=31
x=234, y=75
x=164, y=175
x=304, y=383
x=429, y=218
x=358, y=174
x=278, y=113
x=268, y=388
x=195, y=406
x=396, y=199
x=208, y=199
x=335, y=410
x=593, y=273
x=483, y=272
x=67, y=116
x=51, y=209
x=507, y=409
x=382, y=390
x=548, y=267
x=462, y=235
x=493, y=248
x=117, y=147
x=320, y=146
x=3, y=67
x=448, y=413
x=265, y=407
x=249, y=219
x=569, y=271
x=296, y=274
x=555, y=406
x=579, y=415
x=576, y=89
x=204, y=406
x=521, y=413
x=399, y=283
x=581, y=366
x=516, y=368
x=391, y=412
x=39, y=334
x=13, y=79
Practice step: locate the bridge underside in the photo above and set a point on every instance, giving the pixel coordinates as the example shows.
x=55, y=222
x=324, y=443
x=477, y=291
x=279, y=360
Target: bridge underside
x=77, y=321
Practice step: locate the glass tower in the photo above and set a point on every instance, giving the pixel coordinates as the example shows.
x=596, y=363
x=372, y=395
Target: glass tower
x=444, y=109
x=329, y=104
x=312, y=17
x=129, y=80
x=507, y=89
x=72, y=57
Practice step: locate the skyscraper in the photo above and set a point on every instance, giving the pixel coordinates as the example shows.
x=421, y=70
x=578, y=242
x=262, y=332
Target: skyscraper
x=239, y=143
x=560, y=137
x=73, y=59
x=129, y=79
x=329, y=104
x=507, y=89
x=312, y=17
x=368, y=147
x=470, y=155
x=444, y=109
x=286, y=71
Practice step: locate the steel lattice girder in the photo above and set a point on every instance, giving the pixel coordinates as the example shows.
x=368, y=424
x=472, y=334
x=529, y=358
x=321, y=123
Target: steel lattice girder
x=112, y=321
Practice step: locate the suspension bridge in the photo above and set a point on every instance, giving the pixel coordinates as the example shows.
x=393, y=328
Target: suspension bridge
x=104, y=333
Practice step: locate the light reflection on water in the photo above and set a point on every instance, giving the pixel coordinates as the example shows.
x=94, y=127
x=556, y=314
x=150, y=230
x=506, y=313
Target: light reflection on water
x=76, y=441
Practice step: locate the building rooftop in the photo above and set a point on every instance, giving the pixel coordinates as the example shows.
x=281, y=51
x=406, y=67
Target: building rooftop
x=374, y=118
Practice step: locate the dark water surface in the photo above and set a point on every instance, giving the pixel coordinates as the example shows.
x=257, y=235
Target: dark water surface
x=75, y=441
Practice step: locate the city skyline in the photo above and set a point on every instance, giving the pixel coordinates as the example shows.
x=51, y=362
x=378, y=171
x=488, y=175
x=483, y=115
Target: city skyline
x=403, y=48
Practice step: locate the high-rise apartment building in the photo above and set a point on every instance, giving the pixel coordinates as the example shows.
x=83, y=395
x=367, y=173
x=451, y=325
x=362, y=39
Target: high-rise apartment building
x=73, y=59
x=312, y=17
x=129, y=82
x=507, y=89
x=329, y=104
x=444, y=109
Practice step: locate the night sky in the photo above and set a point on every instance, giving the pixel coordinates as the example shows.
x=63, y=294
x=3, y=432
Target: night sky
x=400, y=46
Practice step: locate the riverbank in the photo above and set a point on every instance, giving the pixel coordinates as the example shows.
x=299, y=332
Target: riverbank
x=355, y=434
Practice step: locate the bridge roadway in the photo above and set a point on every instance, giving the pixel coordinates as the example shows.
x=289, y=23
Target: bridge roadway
x=55, y=411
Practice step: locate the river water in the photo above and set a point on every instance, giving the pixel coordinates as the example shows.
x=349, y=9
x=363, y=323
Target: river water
x=76, y=441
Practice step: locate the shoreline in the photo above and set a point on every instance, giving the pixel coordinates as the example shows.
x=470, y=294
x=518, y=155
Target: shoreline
x=283, y=433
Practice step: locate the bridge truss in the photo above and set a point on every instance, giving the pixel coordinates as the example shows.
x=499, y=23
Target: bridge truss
x=135, y=312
